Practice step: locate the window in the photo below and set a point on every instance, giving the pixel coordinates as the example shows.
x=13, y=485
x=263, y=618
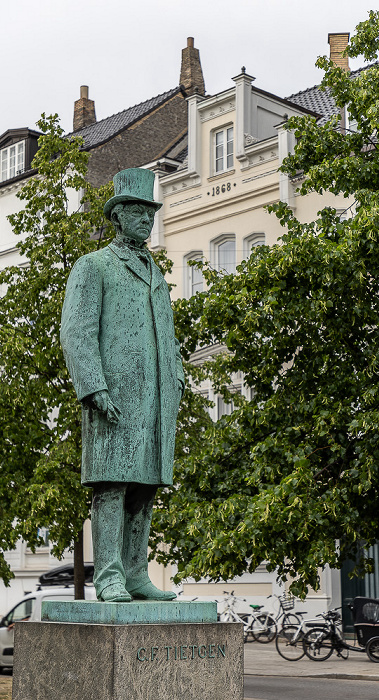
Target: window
x=223, y=253
x=22, y=611
x=226, y=256
x=226, y=408
x=193, y=277
x=223, y=149
x=223, y=408
x=43, y=532
x=252, y=241
x=12, y=160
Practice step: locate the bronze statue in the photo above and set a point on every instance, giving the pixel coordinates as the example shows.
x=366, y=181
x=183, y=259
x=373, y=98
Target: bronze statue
x=118, y=339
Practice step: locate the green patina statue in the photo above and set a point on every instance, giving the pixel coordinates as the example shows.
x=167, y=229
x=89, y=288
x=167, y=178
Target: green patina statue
x=118, y=339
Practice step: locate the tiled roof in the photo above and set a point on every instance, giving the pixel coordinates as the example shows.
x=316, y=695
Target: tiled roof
x=102, y=131
x=316, y=100
x=183, y=154
x=320, y=101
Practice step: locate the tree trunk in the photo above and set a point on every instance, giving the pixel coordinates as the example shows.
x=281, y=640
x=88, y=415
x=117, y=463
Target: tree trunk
x=79, y=576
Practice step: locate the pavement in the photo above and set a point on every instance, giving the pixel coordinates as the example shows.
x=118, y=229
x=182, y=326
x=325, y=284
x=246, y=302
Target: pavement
x=264, y=660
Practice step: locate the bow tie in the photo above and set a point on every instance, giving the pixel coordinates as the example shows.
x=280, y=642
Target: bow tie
x=142, y=252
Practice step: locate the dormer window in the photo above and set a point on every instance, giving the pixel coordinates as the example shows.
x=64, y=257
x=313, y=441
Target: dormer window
x=223, y=149
x=12, y=160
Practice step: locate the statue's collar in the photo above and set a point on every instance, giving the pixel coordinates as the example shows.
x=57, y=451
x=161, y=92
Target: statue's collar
x=133, y=259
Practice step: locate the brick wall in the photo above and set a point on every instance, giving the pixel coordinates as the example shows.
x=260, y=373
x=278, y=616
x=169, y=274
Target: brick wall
x=338, y=44
x=191, y=74
x=142, y=143
x=84, y=110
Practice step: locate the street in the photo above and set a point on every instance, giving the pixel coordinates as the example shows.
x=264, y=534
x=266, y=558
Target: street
x=282, y=688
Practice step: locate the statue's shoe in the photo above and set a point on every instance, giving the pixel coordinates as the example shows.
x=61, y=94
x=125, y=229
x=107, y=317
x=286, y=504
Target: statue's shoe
x=150, y=592
x=115, y=593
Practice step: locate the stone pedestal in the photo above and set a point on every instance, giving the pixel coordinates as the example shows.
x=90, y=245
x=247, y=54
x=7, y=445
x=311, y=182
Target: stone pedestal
x=135, y=661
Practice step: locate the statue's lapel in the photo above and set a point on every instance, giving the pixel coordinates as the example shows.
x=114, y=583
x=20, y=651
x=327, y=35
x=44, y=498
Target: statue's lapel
x=136, y=265
x=156, y=276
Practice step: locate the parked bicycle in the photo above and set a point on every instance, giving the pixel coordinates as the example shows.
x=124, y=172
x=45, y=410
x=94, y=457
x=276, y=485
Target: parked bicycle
x=264, y=626
x=286, y=603
x=320, y=642
x=228, y=614
x=289, y=640
x=258, y=625
x=261, y=626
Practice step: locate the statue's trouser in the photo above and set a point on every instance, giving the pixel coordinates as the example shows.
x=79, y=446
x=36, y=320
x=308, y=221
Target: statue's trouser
x=121, y=518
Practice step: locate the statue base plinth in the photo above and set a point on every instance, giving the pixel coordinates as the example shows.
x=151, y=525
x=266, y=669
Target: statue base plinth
x=73, y=661
x=135, y=612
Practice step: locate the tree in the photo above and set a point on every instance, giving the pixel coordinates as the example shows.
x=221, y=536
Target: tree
x=295, y=469
x=40, y=434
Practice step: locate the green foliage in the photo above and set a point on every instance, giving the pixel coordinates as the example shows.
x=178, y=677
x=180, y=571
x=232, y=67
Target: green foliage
x=296, y=467
x=40, y=434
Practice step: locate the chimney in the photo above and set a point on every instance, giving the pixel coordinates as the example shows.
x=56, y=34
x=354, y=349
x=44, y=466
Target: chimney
x=84, y=110
x=338, y=43
x=191, y=74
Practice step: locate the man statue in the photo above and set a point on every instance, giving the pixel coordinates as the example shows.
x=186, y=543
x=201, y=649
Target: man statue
x=118, y=339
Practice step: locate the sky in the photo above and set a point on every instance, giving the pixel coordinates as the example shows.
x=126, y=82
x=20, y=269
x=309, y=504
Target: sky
x=127, y=52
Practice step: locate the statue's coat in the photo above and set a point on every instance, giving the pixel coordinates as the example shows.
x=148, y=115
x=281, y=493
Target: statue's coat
x=117, y=333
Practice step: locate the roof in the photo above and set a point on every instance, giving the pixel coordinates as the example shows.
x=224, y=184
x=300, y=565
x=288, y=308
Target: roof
x=321, y=101
x=286, y=101
x=179, y=150
x=316, y=100
x=12, y=135
x=100, y=132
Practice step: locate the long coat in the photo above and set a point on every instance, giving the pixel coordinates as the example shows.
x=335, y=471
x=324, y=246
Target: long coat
x=117, y=333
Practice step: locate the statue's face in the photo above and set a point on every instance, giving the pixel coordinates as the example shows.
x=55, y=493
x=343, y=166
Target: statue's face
x=136, y=221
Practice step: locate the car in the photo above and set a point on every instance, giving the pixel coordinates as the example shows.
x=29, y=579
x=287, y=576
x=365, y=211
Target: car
x=64, y=575
x=29, y=609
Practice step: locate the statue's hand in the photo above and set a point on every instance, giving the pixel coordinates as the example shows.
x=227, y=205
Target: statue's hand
x=101, y=402
x=98, y=400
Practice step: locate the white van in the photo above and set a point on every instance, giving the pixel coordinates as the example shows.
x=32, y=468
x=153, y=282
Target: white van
x=29, y=608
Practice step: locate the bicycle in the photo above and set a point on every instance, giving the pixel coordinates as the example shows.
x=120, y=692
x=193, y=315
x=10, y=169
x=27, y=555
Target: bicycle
x=289, y=640
x=229, y=614
x=264, y=627
x=286, y=603
x=320, y=642
x=258, y=626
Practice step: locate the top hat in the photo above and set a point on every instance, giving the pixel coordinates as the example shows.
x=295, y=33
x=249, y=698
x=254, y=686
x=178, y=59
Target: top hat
x=132, y=185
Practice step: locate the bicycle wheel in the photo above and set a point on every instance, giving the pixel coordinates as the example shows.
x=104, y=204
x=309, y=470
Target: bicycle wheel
x=372, y=648
x=289, y=644
x=318, y=644
x=263, y=628
x=291, y=619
